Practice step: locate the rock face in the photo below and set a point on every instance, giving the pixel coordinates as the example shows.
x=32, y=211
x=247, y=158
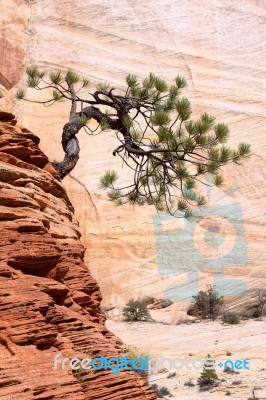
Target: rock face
x=14, y=20
x=219, y=47
x=49, y=302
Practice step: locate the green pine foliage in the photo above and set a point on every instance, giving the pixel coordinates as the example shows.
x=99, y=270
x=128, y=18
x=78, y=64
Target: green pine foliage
x=57, y=95
x=72, y=76
x=56, y=77
x=20, y=94
x=108, y=179
x=82, y=121
x=168, y=151
x=208, y=377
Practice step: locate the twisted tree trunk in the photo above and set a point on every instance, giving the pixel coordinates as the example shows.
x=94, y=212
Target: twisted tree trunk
x=70, y=142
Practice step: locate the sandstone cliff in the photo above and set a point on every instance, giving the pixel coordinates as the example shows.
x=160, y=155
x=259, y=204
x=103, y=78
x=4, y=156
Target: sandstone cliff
x=218, y=46
x=49, y=302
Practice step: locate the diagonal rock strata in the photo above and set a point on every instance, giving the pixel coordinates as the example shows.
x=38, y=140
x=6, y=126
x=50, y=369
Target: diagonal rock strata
x=49, y=302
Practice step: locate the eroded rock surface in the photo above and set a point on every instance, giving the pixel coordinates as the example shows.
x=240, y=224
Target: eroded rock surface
x=49, y=302
x=219, y=48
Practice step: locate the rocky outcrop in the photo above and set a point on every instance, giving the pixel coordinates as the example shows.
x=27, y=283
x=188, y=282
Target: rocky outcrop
x=49, y=302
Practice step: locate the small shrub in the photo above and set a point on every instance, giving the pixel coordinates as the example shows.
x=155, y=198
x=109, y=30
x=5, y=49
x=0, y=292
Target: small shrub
x=136, y=310
x=207, y=304
x=189, y=383
x=253, y=312
x=261, y=302
x=162, y=370
x=228, y=393
x=231, y=319
x=208, y=377
x=160, y=391
x=171, y=375
x=237, y=382
x=79, y=373
x=134, y=352
x=256, y=313
x=257, y=310
x=231, y=371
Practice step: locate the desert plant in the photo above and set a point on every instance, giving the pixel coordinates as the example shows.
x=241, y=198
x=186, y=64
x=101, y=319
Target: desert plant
x=171, y=375
x=261, y=302
x=133, y=352
x=189, y=383
x=166, y=150
x=207, y=304
x=208, y=376
x=257, y=310
x=161, y=391
x=231, y=318
x=229, y=370
x=256, y=313
x=238, y=382
x=80, y=372
x=136, y=310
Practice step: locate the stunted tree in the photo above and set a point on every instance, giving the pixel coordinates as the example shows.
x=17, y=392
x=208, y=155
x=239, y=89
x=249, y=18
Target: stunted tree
x=207, y=304
x=167, y=151
x=136, y=310
x=208, y=377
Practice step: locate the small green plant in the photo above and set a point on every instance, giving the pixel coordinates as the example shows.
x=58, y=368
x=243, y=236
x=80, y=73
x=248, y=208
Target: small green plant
x=208, y=377
x=136, y=310
x=207, y=304
x=231, y=319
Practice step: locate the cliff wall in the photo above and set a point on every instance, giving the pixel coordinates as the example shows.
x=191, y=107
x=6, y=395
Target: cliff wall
x=219, y=47
x=49, y=302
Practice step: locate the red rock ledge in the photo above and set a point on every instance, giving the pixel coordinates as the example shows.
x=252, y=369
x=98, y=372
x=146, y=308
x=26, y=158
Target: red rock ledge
x=49, y=302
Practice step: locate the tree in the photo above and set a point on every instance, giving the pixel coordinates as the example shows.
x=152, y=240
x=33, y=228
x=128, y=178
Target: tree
x=207, y=304
x=208, y=376
x=136, y=310
x=167, y=152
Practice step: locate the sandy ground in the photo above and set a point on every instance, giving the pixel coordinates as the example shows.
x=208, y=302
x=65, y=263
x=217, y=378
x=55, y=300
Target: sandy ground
x=246, y=341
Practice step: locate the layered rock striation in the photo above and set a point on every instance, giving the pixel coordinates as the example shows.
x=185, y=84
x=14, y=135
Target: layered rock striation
x=49, y=302
x=219, y=48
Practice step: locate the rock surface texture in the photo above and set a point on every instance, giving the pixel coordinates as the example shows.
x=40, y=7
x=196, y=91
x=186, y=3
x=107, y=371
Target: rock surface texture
x=219, y=46
x=49, y=302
